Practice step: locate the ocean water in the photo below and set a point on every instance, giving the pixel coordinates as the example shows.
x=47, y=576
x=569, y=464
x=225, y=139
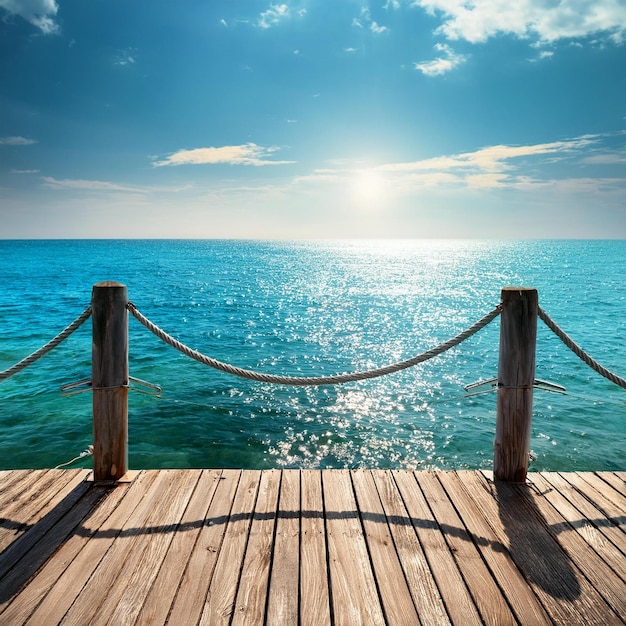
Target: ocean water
x=309, y=308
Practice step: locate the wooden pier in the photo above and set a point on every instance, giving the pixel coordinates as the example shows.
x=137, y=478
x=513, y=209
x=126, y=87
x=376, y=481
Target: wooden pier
x=186, y=547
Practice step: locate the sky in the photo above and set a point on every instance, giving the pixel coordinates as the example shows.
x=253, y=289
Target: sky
x=312, y=119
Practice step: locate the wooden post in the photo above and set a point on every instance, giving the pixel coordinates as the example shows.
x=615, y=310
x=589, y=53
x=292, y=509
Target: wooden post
x=109, y=377
x=516, y=376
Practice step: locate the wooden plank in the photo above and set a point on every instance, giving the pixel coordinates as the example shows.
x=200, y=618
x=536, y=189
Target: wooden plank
x=608, y=508
x=586, y=519
x=197, y=517
x=420, y=580
x=602, y=577
x=102, y=535
x=70, y=488
x=283, y=599
x=15, y=510
x=551, y=566
x=396, y=598
x=110, y=575
x=314, y=593
x=613, y=479
x=97, y=576
x=353, y=588
x=440, y=565
x=193, y=588
x=24, y=557
x=220, y=600
x=31, y=595
x=608, y=500
x=254, y=580
x=31, y=503
x=123, y=604
x=477, y=551
x=12, y=483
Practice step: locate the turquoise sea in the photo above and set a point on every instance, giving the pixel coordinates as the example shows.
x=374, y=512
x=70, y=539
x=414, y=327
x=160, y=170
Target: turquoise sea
x=308, y=308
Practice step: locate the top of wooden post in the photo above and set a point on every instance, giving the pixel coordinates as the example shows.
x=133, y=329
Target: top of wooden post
x=109, y=283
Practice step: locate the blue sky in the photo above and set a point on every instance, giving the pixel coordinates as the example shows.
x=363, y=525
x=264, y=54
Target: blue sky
x=312, y=118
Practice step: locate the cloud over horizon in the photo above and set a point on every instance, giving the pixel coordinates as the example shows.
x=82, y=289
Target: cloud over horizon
x=246, y=154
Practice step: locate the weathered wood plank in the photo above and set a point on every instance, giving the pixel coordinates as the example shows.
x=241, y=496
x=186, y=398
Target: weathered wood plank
x=353, y=588
x=70, y=488
x=220, y=600
x=202, y=507
x=602, y=578
x=611, y=502
x=283, y=600
x=614, y=480
x=314, y=594
x=13, y=482
x=588, y=521
x=31, y=504
x=192, y=592
x=106, y=577
x=143, y=565
x=443, y=567
x=102, y=534
x=24, y=557
x=254, y=580
x=473, y=544
x=315, y=547
x=546, y=561
x=395, y=596
x=32, y=594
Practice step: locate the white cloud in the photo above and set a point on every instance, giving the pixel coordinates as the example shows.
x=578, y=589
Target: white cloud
x=127, y=57
x=365, y=19
x=490, y=167
x=608, y=158
x=39, y=13
x=88, y=185
x=16, y=141
x=350, y=50
x=449, y=61
x=78, y=184
x=478, y=20
x=246, y=154
x=273, y=15
x=24, y=171
x=223, y=22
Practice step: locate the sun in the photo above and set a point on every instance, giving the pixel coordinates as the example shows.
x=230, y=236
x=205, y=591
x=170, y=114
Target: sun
x=369, y=189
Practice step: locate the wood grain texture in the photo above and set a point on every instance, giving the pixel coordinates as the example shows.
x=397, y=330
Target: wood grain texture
x=315, y=547
x=354, y=593
x=109, y=378
x=314, y=591
x=516, y=376
x=283, y=601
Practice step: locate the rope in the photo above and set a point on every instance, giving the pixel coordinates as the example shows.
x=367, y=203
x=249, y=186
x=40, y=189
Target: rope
x=314, y=380
x=35, y=356
x=87, y=452
x=579, y=352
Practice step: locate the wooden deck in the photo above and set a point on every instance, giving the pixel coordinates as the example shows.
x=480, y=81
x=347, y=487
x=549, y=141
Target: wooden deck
x=187, y=547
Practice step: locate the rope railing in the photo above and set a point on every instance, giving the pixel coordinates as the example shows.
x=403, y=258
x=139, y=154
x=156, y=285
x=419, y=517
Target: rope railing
x=53, y=343
x=334, y=379
x=302, y=381
x=578, y=351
